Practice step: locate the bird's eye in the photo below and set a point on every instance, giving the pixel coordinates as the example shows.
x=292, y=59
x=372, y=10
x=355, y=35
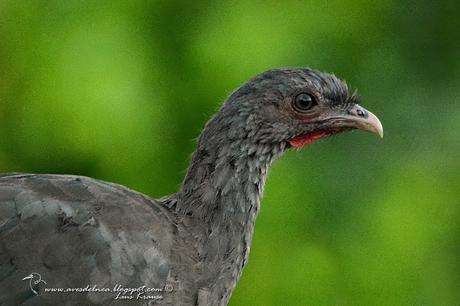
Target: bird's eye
x=303, y=102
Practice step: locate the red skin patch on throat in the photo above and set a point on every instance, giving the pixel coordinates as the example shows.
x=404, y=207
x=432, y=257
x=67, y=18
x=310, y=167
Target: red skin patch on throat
x=302, y=140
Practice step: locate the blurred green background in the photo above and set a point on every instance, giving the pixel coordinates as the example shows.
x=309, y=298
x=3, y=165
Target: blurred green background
x=119, y=90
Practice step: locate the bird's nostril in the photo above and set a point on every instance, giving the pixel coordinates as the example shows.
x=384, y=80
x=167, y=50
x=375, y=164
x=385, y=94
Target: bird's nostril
x=360, y=113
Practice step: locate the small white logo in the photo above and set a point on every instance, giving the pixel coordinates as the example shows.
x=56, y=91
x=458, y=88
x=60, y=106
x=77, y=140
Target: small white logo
x=34, y=279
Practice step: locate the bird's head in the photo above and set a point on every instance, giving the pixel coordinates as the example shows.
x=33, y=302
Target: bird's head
x=298, y=106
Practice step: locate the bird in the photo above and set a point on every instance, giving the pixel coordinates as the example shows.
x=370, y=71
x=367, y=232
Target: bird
x=100, y=243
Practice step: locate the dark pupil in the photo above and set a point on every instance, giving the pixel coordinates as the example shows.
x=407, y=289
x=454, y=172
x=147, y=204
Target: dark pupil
x=304, y=102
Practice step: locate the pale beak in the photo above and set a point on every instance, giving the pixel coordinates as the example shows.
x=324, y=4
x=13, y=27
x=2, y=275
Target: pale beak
x=360, y=118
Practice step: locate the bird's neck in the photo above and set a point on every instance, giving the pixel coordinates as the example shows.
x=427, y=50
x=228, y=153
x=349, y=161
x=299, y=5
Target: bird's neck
x=219, y=199
x=225, y=181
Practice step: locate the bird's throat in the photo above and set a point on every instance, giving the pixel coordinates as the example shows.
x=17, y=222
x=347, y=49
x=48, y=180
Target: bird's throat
x=306, y=139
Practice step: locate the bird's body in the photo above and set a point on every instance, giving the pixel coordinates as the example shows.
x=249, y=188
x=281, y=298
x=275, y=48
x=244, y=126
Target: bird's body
x=189, y=248
x=77, y=231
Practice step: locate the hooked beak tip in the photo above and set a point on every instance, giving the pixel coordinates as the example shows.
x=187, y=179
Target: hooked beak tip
x=374, y=124
x=365, y=120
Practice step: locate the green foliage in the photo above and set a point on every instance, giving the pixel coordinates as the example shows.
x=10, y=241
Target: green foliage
x=119, y=90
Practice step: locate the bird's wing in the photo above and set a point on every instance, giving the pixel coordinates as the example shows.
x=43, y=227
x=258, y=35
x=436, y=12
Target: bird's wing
x=77, y=232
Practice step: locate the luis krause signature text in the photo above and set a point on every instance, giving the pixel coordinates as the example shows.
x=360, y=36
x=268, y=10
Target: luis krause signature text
x=121, y=293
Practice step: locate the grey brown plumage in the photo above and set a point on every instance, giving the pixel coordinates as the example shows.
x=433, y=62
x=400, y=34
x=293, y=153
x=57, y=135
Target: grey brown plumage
x=77, y=231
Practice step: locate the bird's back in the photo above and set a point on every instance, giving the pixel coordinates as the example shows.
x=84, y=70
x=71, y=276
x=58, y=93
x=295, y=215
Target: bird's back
x=76, y=232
